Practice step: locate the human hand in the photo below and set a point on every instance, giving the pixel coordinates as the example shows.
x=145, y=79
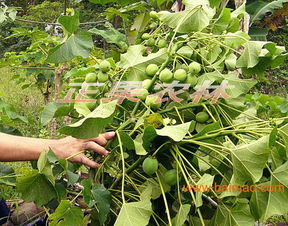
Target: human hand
x=72, y=148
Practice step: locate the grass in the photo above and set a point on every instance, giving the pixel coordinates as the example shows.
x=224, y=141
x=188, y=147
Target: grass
x=275, y=82
x=27, y=102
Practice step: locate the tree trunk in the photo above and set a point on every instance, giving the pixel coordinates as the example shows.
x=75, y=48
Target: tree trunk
x=57, y=84
x=246, y=19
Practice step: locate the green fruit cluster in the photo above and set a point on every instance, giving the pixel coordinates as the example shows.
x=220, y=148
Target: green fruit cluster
x=102, y=75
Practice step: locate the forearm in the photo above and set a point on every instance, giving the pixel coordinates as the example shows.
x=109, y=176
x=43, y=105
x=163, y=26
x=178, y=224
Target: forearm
x=16, y=148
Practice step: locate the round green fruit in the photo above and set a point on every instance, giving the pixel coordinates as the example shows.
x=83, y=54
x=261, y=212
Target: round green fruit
x=150, y=166
x=170, y=177
x=154, y=15
x=153, y=25
x=162, y=43
x=92, y=91
x=151, y=69
x=146, y=83
x=202, y=117
x=150, y=101
x=140, y=93
x=194, y=68
x=191, y=80
x=105, y=66
x=151, y=42
x=180, y=75
x=166, y=75
x=102, y=77
x=91, y=77
x=145, y=36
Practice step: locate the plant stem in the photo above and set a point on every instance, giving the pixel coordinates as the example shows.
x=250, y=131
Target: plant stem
x=209, y=136
x=165, y=200
x=123, y=167
x=124, y=124
x=129, y=170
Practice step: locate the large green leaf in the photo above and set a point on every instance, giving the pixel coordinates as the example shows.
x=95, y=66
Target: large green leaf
x=103, y=200
x=138, y=143
x=176, y=133
x=142, y=142
x=110, y=34
x=240, y=86
x=264, y=203
x=208, y=128
x=182, y=215
x=35, y=187
x=222, y=22
x=235, y=40
x=148, y=136
x=127, y=141
x=258, y=34
x=70, y=24
x=99, y=195
x=45, y=167
x=140, y=23
x=236, y=216
x=250, y=55
x=52, y=110
x=66, y=215
x=136, y=63
x=249, y=160
x=192, y=19
x=76, y=45
x=150, y=189
x=259, y=9
x=93, y=124
x=134, y=213
x=210, y=76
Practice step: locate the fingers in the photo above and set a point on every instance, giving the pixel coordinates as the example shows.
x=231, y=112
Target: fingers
x=86, y=161
x=109, y=135
x=91, y=145
x=102, y=138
